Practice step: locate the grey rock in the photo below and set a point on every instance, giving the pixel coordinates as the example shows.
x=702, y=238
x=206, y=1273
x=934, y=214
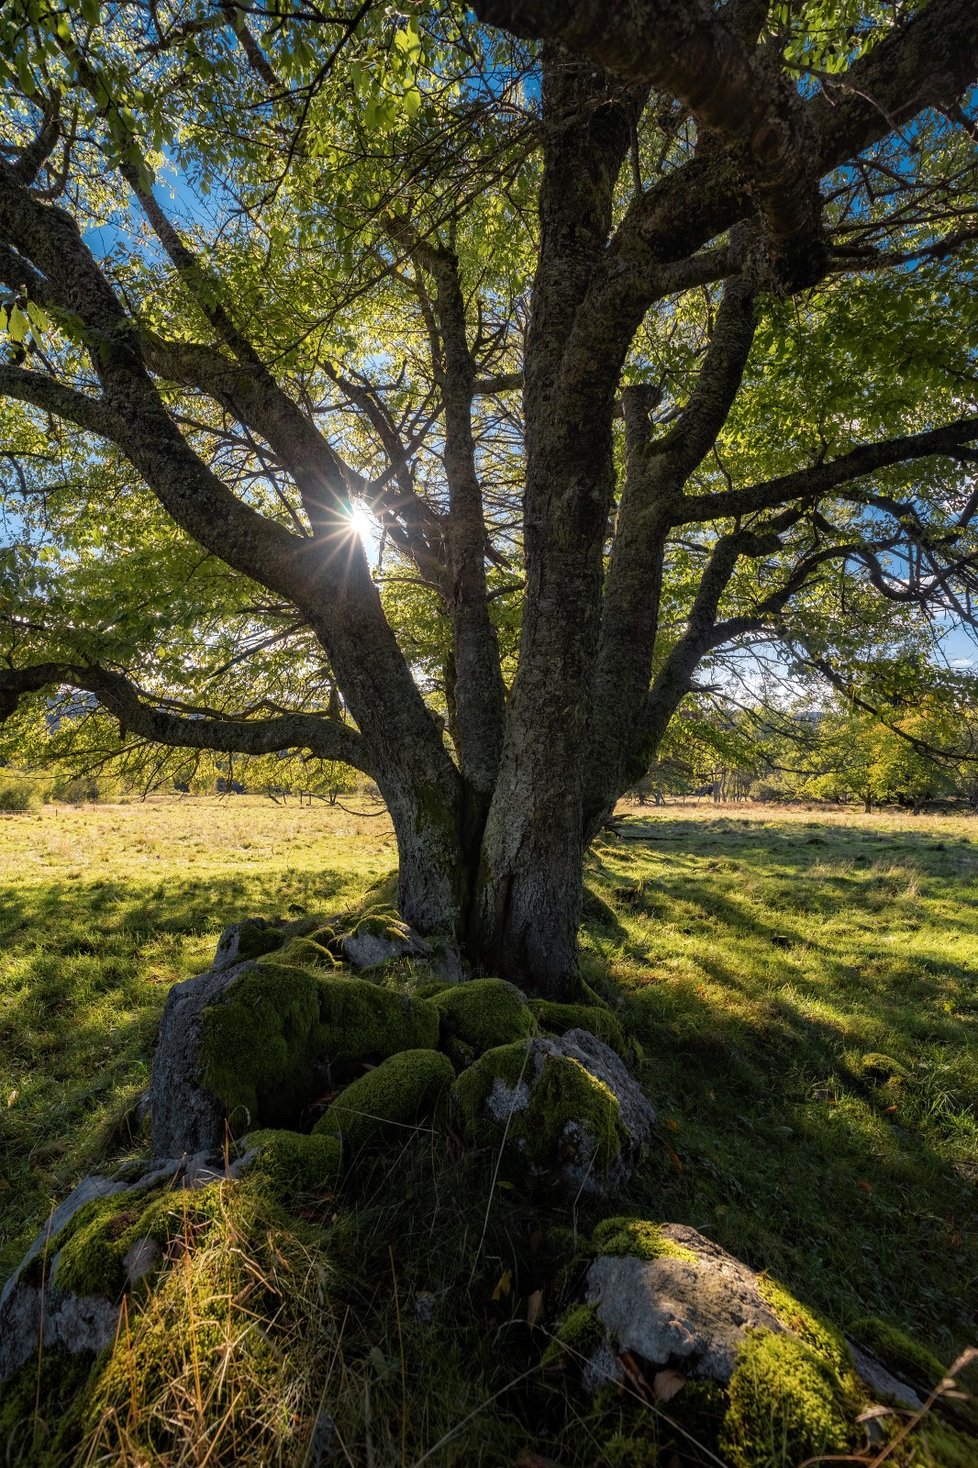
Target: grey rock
x=186, y=1118
x=882, y=1383
x=637, y=1113
x=141, y=1259
x=323, y=1444
x=368, y=950
x=574, y=1168
x=694, y=1314
x=30, y=1318
x=424, y=1306
x=691, y=1313
x=88, y=1189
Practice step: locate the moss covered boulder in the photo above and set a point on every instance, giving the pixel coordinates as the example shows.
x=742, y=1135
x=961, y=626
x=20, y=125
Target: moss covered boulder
x=566, y=1112
x=279, y=1036
x=481, y=1015
x=787, y=1405
x=248, y=939
x=662, y=1297
x=108, y=1235
x=394, y=1095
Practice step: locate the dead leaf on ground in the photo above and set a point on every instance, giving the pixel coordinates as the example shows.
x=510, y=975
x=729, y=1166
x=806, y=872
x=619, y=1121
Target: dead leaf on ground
x=527, y=1458
x=504, y=1286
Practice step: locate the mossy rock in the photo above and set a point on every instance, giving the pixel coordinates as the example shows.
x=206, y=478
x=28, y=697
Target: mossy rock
x=280, y=1035
x=302, y=952
x=787, y=1404
x=397, y=1093
x=901, y=1354
x=561, y=1122
x=481, y=1015
x=92, y=1249
x=249, y=939
x=559, y=1018
x=638, y=1237
x=579, y=1332
x=813, y=1329
x=293, y=1162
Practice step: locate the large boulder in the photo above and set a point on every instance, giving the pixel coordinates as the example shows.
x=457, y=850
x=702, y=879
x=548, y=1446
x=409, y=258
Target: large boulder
x=394, y=1095
x=672, y=1297
x=185, y=1117
x=249, y=1044
x=481, y=1015
x=664, y=1305
x=566, y=1111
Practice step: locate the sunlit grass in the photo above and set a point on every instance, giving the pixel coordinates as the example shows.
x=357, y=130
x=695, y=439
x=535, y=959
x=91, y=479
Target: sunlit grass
x=102, y=908
x=762, y=956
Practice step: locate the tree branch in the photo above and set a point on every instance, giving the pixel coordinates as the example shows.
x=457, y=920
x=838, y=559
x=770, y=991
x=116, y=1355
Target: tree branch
x=809, y=484
x=324, y=737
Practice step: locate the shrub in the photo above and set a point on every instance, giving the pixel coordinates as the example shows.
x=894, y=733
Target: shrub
x=18, y=792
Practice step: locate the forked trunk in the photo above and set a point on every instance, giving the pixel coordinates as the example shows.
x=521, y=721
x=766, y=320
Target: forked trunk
x=511, y=900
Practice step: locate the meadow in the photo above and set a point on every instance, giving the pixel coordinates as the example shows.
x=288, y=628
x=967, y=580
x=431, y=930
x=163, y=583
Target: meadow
x=802, y=986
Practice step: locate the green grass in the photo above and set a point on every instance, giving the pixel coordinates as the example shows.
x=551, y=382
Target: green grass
x=757, y=957
x=760, y=957
x=101, y=909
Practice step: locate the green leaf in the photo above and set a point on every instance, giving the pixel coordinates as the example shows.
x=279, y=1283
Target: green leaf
x=18, y=324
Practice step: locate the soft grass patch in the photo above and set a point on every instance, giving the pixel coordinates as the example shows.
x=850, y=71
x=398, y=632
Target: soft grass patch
x=101, y=909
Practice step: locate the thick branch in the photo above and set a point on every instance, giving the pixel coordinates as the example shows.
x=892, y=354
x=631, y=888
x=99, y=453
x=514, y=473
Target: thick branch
x=324, y=737
x=478, y=695
x=809, y=484
x=688, y=51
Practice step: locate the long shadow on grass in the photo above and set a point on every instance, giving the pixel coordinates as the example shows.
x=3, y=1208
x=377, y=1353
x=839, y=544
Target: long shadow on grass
x=790, y=1161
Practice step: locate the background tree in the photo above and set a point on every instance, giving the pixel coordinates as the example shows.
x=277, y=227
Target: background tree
x=653, y=342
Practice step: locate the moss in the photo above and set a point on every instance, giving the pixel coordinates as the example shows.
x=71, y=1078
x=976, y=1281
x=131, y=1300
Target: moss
x=93, y=1246
x=935, y=1445
x=559, y=1018
x=578, y=1334
x=280, y=1033
x=897, y=1351
x=255, y=940
x=636, y=1236
x=396, y=1094
x=302, y=953
x=293, y=1162
x=41, y=1409
x=560, y=1120
x=813, y=1330
x=786, y=1405
x=481, y=1015
x=877, y=1067
x=384, y=922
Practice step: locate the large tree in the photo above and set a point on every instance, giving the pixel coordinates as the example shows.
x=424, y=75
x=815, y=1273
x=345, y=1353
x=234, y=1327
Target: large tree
x=642, y=331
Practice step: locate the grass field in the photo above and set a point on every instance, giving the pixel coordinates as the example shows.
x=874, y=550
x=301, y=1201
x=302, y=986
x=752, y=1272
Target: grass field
x=803, y=986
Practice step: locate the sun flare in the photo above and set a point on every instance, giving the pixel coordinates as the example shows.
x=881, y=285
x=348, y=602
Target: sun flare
x=362, y=522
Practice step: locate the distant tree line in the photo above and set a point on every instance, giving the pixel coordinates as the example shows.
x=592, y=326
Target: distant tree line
x=922, y=754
